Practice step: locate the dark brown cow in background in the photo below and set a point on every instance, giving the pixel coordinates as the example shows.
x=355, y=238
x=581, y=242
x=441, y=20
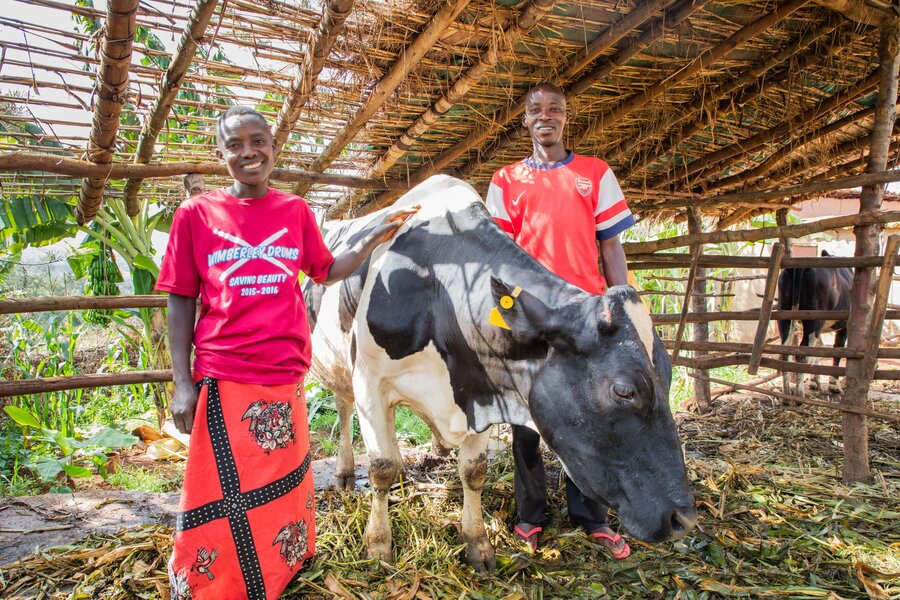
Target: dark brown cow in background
x=819, y=288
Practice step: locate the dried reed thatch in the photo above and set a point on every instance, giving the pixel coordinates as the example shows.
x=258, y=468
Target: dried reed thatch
x=683, y=97
x=775, y=522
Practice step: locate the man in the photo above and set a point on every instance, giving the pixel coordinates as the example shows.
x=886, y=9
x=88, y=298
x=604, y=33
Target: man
x=246, y=524
x=566, y=211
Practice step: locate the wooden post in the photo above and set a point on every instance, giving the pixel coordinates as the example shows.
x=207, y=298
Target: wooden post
x=692, y=275
x=702, y=393
x=765, y=312
x=856, y=389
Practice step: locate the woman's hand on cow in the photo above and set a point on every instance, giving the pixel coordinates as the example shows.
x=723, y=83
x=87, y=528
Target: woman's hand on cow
x=391, y=223
x=183, y=407
x=346, y=263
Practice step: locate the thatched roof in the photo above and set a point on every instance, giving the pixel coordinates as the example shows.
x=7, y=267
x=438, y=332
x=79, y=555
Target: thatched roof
x=685, y=99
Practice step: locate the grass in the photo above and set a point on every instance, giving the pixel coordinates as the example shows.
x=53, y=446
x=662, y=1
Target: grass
x=323, y=427
x=139, y=479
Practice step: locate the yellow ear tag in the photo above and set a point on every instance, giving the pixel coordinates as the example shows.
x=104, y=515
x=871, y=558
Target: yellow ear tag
x=496, y=318
x=506, y=302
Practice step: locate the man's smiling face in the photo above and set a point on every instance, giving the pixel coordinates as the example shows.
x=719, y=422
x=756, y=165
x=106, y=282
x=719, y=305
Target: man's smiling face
x=245, y=144
x=545, y=117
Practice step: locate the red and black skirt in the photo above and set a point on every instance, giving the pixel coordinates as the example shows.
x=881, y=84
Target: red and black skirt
x=246, y=524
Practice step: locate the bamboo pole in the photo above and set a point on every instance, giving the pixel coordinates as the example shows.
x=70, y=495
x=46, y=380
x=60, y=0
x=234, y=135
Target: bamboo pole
x=765, y=312
x=76, y=382
x=478, y=136
x=704, y=61
x=527, y=20
x=168, y=91
x=802, y=400
x=763, y=233
x=336, y=12
x=696, y=251
x=111, y=90
x=383, y=89
x=50, y=163
x=856, y=389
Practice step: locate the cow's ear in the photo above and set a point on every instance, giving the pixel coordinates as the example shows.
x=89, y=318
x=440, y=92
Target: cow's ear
x=526, y=315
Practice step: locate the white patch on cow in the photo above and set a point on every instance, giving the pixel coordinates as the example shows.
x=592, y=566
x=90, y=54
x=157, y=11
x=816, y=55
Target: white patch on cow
x=331, y=360
x=437, y=196
x=639, y=316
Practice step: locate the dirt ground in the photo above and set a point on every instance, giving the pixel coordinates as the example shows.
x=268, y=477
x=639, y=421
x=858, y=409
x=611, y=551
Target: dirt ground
x=29, y=523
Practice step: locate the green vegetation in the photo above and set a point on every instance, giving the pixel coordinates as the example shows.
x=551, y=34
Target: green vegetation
x=138, y=479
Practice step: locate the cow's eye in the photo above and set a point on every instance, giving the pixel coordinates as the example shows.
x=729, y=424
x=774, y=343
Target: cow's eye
x=623, y=391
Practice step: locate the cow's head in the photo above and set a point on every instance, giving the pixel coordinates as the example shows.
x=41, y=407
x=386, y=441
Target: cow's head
x=601, y=402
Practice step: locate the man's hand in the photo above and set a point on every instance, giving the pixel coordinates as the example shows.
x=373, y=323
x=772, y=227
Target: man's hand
x=183, y=407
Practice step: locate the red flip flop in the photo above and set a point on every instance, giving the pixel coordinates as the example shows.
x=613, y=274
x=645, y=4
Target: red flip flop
x=531, y=537
x=625, y=552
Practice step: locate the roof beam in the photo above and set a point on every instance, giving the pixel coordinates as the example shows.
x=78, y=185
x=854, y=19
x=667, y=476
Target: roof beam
x=61, y=165
x=336, y=12
x=704, y=61
x=526, y=21
x=735, y=91
x=168, y=91
x=789, y=148
x=499, y=119
x=407, y=60
x=866, y=12
x=703, y=166
x=111, y=89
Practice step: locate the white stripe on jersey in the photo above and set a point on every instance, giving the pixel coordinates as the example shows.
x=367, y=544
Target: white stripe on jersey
x=495, y=204
x=609, y=192
x=624, y=214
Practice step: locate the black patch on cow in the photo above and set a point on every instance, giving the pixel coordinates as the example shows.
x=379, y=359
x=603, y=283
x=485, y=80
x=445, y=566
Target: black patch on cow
x=351, y=290
x=312, y=296
x=411, y=306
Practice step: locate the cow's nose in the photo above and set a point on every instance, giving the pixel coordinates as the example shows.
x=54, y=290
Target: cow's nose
x=681, y=521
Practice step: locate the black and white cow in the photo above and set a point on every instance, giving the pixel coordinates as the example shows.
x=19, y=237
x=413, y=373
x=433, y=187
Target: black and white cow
x=413, y=326
x=820, y=288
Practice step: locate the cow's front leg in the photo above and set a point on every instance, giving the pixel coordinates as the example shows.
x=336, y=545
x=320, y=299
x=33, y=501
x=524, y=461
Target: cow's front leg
x=376, y=423
x=345, y=472
x=815, y=342
x=840, y=340
x=472, y=472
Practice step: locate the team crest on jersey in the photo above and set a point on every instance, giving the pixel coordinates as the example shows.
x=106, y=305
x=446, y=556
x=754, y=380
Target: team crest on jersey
x=583, y=185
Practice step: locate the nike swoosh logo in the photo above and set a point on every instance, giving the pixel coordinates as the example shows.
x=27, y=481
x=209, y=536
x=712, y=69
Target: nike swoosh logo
x=516, y=201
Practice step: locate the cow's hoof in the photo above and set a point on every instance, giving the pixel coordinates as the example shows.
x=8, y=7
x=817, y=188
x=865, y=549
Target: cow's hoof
x=480, y=555
x=380, y=552
x=343, y=481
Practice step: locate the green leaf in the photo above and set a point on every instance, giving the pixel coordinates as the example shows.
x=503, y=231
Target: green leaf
x=143, y=281
x=76, y=471
x=22, y=416
x=144, y=262
x=110, y=438
x=46, y=468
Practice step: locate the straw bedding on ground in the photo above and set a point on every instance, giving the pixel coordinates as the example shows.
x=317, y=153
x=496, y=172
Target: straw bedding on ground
x=775, y=522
